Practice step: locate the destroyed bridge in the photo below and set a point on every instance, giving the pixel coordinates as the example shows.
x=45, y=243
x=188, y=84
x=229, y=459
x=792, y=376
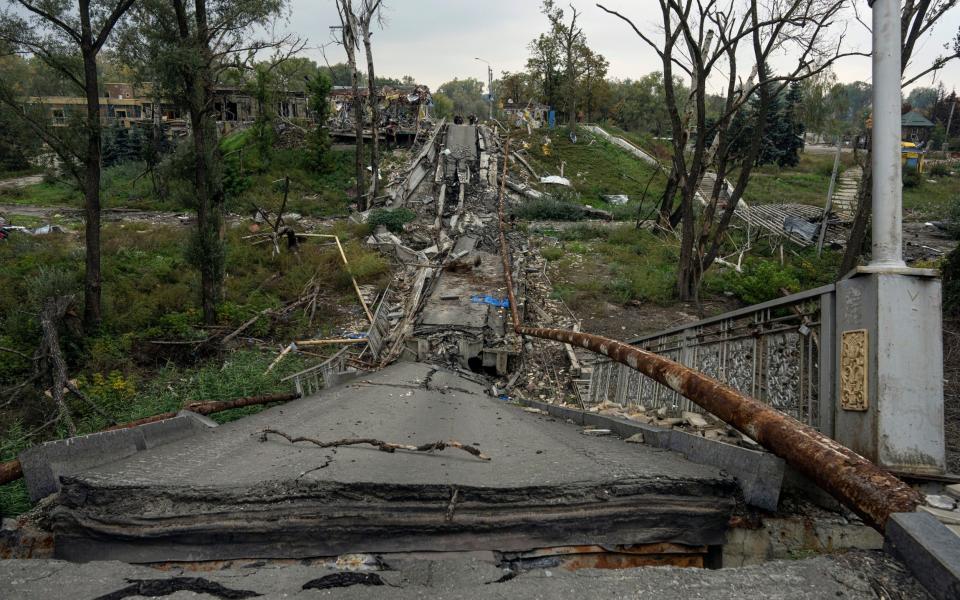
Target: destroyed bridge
x=421, y=476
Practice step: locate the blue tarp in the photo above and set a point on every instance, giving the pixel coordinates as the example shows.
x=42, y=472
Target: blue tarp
x=491, y=300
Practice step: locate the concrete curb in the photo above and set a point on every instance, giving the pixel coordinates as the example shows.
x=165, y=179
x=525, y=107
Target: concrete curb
x=43, y=465
x=930, y=551
x=760, y=474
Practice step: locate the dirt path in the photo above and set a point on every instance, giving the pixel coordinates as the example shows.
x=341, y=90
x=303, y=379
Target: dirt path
x=108, y=214
x=20, y=182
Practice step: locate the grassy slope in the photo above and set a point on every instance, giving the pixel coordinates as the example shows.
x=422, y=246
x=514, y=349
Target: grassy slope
x=595, y=168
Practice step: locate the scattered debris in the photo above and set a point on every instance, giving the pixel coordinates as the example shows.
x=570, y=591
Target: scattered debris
x=617, y=199
x=941, y=502
x=597, y=432
x=555, y=179
x=342, y=580
x=165, y=587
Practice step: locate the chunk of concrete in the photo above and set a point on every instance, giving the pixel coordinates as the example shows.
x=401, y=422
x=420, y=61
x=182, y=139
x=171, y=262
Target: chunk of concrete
x=760, y=474
x=930, y=551
x=43, y=465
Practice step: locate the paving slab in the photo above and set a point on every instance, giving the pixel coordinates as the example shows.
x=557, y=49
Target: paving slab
x=227, y=493
x=852, y=576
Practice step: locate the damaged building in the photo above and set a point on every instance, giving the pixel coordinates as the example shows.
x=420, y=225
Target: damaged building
x=402, y=109
x=127, y=105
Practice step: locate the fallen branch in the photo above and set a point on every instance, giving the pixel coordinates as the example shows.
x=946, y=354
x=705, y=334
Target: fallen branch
x=379, y=444
x=284, y=352
x=362, y=340
x=54, y=308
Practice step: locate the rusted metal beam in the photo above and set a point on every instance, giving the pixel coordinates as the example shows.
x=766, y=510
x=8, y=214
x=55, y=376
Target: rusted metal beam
x=12, y=470
x=871, y=492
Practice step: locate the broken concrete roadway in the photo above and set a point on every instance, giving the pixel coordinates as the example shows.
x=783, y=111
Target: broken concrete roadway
x=853, y=576
x=225, y=493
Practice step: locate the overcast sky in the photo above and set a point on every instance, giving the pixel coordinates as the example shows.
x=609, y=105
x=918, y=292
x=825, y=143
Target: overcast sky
x=437, y=40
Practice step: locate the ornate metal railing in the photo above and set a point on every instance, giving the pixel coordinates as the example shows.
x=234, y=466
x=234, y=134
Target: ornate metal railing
x=779, y=352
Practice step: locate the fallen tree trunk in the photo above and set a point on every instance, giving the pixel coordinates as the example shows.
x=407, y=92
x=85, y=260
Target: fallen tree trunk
x=12, y=470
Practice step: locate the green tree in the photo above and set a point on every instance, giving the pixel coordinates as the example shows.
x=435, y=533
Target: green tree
x=923, y=98
x=442, y=105
x=186, y=48
x=18, y=144
x=465, y=94
x=319, y=88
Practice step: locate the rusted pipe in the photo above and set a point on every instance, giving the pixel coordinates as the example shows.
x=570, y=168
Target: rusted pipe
x=866, y=489
x=504, y=249
x=12, y=470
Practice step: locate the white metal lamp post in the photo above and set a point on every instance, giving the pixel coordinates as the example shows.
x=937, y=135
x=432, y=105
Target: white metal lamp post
x=885, y=156
x=889, y=346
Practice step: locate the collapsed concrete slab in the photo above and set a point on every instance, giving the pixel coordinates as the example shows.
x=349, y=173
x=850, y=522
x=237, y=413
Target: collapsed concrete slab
x=760, y=474
x=228, y=494
x=43, y=465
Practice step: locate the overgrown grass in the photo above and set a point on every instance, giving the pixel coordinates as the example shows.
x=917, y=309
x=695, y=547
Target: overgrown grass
x=127, y=399
x=150, y=293
x=765, y=278
x=807, y=183
x=933, y=199
x=248, y=177
x=613, y=264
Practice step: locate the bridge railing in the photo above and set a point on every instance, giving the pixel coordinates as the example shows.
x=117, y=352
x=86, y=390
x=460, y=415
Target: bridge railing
x=311, y=380
x=779, y=352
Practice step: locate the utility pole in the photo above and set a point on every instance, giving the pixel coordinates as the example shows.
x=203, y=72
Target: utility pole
x=946, y=138
x=489, y=83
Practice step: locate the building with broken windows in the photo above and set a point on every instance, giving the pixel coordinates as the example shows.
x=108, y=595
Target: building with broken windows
x=402, y=109
x=127, y=105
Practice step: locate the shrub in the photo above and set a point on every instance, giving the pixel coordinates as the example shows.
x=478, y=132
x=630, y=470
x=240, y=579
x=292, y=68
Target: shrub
x=911, y=178
x=549, y=209
x=762, y=280
x=393, y=220
x=951, y=283
x=551, y=253
x=939, y=169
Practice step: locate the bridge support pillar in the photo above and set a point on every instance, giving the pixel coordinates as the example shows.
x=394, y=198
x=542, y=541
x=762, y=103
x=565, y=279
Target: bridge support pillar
x=889, y=366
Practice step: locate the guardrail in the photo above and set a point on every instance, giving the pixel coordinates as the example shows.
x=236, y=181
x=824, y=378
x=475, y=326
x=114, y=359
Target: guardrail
x=779, y=352
x=312, y=380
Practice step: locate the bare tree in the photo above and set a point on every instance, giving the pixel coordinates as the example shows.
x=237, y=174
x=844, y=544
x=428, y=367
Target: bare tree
x=708, y=42
x=369, y=10
x=58, y=33
x=350, y=39
x=917, y=20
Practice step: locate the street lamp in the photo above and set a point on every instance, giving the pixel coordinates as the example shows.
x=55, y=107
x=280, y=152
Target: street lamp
x=489, y=83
